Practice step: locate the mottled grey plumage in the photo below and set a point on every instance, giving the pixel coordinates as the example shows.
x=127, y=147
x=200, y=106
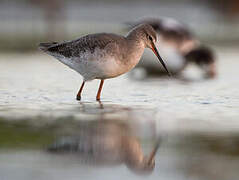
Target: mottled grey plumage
x=87, y=43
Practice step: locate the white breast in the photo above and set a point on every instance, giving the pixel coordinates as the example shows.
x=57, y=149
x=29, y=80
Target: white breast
x=97, y=65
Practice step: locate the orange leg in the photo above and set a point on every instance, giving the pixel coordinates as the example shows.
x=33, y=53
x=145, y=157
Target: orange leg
x=78, y=97
x=99, y=90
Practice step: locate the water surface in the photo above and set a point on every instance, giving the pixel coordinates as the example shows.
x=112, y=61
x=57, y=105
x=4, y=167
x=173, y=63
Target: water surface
x=196, y=121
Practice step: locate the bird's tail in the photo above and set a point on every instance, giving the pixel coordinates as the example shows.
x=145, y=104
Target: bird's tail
x=46, y=46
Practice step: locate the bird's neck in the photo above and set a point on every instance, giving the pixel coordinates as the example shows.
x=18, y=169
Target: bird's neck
x=135, y=37
x=135, y=47
x=134, y=157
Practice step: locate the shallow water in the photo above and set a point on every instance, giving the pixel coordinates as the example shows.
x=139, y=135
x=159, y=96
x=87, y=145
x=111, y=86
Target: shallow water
x=195, y=121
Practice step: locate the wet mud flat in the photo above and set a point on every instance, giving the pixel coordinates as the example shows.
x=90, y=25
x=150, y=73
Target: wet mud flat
x=195, y=122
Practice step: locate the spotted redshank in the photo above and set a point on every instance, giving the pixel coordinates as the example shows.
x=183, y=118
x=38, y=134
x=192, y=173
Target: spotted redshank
x=103, y=56
x=179, y=46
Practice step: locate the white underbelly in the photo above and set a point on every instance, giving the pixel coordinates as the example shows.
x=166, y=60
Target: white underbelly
x=91, y=66
x=100, y=69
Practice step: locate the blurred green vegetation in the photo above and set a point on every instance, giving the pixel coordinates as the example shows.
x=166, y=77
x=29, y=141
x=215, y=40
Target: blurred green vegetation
x=22, y=135
x=218, y=143
x=21, y=44
x=40, y=133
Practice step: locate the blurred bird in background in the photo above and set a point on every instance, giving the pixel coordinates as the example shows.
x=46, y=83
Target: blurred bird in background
x=177, y=44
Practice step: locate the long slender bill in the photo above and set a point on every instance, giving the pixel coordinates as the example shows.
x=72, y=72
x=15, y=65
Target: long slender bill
x=160, y=59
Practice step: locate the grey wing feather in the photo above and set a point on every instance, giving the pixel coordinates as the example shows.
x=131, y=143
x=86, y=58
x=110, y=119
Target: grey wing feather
x=76, y=47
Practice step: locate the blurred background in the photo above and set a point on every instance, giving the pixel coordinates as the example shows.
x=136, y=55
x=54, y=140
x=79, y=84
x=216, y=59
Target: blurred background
x=195, y=122
x=26, y=22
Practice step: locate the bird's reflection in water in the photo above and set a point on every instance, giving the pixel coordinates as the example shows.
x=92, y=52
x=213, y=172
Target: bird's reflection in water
x=105, y=143
x=100, y=107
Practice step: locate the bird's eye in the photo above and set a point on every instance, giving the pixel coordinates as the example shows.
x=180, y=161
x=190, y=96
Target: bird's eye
x=150, y=38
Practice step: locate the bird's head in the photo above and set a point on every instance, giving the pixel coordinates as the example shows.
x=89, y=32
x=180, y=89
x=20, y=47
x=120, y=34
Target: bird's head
x=150, y=38
x=146, y=165
x=146, y=34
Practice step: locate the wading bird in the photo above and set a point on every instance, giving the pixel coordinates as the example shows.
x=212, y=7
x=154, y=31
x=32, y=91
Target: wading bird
x=102, y=56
